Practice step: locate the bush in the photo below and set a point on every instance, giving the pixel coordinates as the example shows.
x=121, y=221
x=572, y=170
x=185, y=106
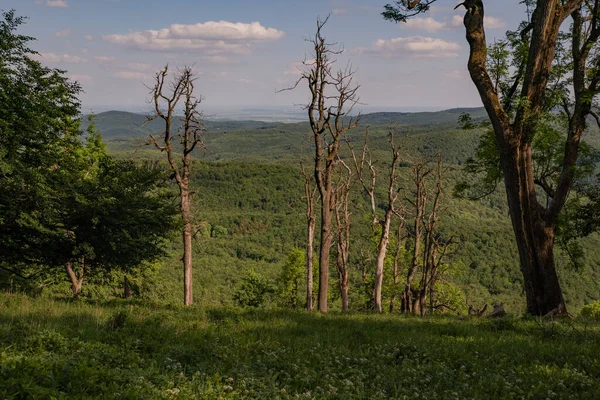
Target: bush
x=591, y=311
x=254, y=291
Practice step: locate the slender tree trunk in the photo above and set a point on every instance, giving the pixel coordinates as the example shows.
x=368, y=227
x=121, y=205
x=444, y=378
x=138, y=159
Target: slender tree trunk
x=324, y=256
x=76, y=281
x=396, y=269
x=126, y=288
x=535, y=238
x=381, y=253
x=309, y=263
x=344, y=289
x=188, y=298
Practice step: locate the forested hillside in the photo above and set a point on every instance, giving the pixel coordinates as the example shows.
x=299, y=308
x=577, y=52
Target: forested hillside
x=249, y=209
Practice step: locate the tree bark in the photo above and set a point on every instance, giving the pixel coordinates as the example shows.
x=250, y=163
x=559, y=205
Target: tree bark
x=126, y=288
x=187, y=247
x=381, y=253
x=534, y=234
x=76, y=281
x=535, y=238
x=309, y=263
x=324, y=255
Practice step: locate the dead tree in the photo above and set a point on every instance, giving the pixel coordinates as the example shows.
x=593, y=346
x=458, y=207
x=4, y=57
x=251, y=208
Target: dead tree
x=166, y=97
x=309, y=195
x=514, y=117
x=76, y=276
x=400, y=236
x=435, y=247
x=333, y=96
x=342, y=219
x=420, y=171
x=369, y=184
x=430, y=248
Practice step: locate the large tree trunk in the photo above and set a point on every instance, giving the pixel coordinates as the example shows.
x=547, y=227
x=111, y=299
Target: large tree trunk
x=533, y=227
x=188, y=298
x=76, y=281
x=326, y=240
x=309, y=264
x=535, y=238
x=381, y=253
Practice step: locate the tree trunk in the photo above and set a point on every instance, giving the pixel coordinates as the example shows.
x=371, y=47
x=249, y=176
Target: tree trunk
x=535, y=238
x=76, y=281
x=309, y=264
x=344, y=289
x=187, y=247
x=326, y=240
x=126, y=288
x=381, y=253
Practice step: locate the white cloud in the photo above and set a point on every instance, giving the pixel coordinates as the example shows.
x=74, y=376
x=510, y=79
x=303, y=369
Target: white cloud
x=85, y=51
x=414, y=46
x=432, y=25
x=139, y=66
x=89, y=37
x=60, y=58
x=57, y=3
x=131, y=75
x=340, y=11
x=456, y=74
x=104, y=58
x=210, y=37
x=425, y=24
x=217, y=59
x=493, y=23
x=65, y=33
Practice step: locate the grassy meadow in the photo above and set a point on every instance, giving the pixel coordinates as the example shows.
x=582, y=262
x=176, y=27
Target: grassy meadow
x=52, y=348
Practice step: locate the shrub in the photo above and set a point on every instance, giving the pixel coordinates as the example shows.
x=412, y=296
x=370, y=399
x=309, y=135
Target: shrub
x=253, y=291
x=591, y=311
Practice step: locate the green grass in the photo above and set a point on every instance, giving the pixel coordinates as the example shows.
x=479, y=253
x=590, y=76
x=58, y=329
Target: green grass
x=56, y=349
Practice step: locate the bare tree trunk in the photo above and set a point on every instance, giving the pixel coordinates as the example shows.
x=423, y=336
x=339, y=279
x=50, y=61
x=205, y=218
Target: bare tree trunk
x=190, y=135
x=76, y=281
x=309, y=195
x=326, y=241
x=333, y=95
x=396, y=271
x=344, y=291
x=381, y=253
x=187, y=264
x=309, y=263
x=126, y=288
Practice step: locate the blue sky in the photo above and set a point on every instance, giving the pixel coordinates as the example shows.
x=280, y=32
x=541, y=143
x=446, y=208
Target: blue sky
x=244, y=50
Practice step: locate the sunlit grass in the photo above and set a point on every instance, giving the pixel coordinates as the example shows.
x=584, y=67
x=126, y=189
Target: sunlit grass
x=51, y=348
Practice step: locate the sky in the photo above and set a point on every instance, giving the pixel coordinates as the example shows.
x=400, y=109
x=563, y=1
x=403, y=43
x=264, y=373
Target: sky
x=245, y=51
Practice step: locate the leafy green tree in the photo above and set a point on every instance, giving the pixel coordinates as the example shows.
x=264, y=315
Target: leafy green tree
x=39, y=112
x=291, y=276
x=552, y=68
x=254, y=290
x=65, y=203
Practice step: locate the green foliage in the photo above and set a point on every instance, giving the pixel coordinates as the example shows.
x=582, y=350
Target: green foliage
x=39, y=129
x=253, y=291
x=591, y=311
x=64, y=199
x=292, y=276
